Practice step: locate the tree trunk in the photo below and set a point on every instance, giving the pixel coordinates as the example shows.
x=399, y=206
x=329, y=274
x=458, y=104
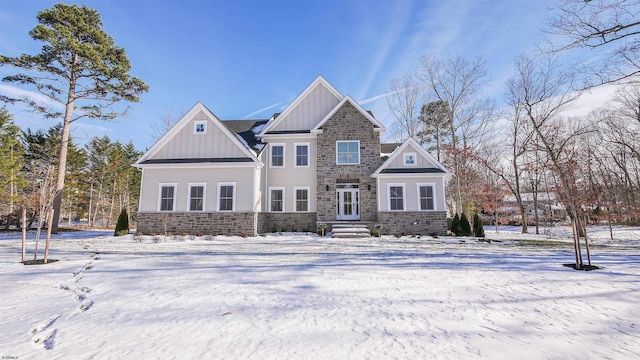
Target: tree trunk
x=89, y=222
x=24, y=233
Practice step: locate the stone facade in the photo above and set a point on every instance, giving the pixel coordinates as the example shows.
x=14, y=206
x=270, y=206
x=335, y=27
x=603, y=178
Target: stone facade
x=413, y=223
x=212, y=223
x=347, y=124
x=297, y=221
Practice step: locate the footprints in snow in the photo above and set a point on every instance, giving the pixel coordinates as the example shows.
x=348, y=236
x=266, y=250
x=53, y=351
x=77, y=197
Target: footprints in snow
x=44, y=334
x=41, y=334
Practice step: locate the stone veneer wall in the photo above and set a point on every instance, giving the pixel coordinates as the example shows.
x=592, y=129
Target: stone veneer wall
x=413, y=223
x=222, y=223
x=347, y=124
x=297, y=221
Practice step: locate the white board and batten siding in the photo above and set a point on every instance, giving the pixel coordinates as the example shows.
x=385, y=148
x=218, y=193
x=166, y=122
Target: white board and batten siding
x=309, y=111
x=211, y=144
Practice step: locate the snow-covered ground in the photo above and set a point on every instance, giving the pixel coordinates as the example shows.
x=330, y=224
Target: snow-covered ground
x=299, y=296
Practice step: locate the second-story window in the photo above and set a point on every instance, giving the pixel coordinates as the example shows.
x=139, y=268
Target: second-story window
x=348, y=152
x=277, y=155
x=302, y=155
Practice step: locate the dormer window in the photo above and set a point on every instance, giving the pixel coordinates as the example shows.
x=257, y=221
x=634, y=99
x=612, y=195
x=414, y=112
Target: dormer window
x=200, y=127
x=409, y=159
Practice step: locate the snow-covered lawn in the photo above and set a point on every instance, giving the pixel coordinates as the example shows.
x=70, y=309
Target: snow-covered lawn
x=299, y=296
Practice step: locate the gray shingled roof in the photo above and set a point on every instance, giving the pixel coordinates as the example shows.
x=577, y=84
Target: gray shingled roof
x=388, y=148
x=244, y=128
x=413, y=171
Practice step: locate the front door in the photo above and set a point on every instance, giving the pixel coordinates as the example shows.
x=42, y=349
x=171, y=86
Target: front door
x=348, y=203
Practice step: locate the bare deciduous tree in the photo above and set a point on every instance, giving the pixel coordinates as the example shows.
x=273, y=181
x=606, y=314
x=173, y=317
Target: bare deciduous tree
x=543, y=91
x=459, y=83
x=403, y=101
x=610, y=25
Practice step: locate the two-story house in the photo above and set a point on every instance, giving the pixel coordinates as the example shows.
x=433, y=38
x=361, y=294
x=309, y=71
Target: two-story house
x=319, y=161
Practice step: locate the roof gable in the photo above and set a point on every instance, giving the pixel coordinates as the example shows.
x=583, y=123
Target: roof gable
x=378, y=126
x=307, y=109
x=428, y=164
x=180, y=142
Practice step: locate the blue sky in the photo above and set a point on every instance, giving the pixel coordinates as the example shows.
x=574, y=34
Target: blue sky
x=249, y=59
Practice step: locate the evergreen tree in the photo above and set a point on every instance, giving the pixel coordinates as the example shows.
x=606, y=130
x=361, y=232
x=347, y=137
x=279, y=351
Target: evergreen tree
x=478, y=228
x=75, y=195
x=40, y=160
x=465, y=227
x=80, y=68
x=455, y=225
x=435, y=123
x=122, y=227
x=11, y=158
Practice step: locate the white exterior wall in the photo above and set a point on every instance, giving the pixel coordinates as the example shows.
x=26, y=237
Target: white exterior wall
x=289, y=176
x=411, y=198
x=421, y=162
x=213, y=144
x=310, y=111
x=243, y=177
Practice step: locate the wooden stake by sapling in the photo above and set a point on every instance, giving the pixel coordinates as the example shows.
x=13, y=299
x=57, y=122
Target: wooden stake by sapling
x=49, y=227
x=24, y=233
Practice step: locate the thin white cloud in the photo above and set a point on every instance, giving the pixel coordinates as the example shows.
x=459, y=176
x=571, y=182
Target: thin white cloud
x=377, y=97
x=591, y=100
x=16, y=92
x=261, y=110
x=394, y=30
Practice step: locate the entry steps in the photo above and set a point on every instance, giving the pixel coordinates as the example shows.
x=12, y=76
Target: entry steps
x=350, y=231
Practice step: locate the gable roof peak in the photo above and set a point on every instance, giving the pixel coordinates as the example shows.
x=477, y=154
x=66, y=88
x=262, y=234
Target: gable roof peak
x=319, y=81
x=411, y=142
x=183, y=121
x=378, y=125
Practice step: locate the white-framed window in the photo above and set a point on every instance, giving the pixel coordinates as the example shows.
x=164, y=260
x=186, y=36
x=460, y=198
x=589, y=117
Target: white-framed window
x=348, y=152
x=409, y=159
x=277, y=155
x=199, y=127
x=396, y=197
x=302, y=155
x=226, y=196
x=276, y=199
x=427, y=196
x=301, y=199
x=167, y=197
x=196, y=197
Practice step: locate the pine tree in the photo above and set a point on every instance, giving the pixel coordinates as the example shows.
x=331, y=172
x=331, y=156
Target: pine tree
x=11, y=159
x=80, y=68
x=465, y=227
x=455, y=225
x=122, y=227
x=478, y=228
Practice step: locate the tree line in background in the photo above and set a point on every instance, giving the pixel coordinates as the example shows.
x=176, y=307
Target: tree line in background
x=100, y=181
x=590, y=163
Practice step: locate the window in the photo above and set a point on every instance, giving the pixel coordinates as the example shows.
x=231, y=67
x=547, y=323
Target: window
x=196, y=197
x=276, y=200
x=167, y=197
x=409, y=159
x=302, y=155
x=226, y=195
x=277, y=155
x=200, y=127
x=302, y=199
x=396, y=197
x=427, y=199
x=348, y=152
